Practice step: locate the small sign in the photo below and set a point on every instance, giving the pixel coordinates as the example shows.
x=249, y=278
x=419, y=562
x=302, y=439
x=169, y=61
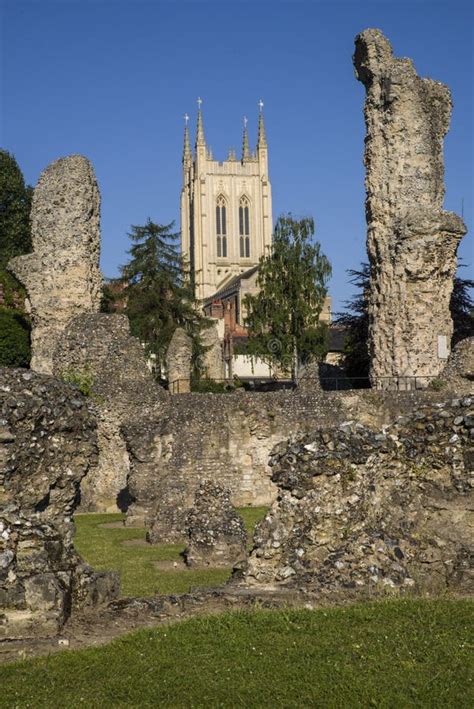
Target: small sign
x=443, y=351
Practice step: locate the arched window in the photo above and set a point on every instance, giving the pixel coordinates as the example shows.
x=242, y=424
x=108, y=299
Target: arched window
x=244, y=227
x=221, y=227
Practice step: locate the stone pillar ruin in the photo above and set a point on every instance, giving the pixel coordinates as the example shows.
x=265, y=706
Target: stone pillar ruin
x=178, y=362
x=411, y=241
x=213, y=361
x=62, y=275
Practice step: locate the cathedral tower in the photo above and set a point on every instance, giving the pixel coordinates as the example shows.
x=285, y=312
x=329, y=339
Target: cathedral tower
x=226, y=209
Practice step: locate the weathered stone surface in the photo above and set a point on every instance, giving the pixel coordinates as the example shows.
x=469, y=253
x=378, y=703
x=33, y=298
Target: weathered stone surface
x=459, y=371
x=178, y=362
x=228, y=438
x=365, y=511
x=213, y=362
x=216, y=532
x=411, y=241
x=47, y=445
x=98, y=347
x=62, y=275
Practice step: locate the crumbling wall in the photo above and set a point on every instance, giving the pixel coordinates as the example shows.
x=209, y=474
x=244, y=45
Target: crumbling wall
x=47, y=446
x=459, y=371
x=62, y=275
x=213, y=360
x=228, y=438
x=411, y=241
x=178, y=362
x=98, y=349
x=366, y=511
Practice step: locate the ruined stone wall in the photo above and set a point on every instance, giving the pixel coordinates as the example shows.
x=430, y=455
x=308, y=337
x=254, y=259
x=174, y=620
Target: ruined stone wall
x=228, y=438
x=62, y=275
x=178, y=362
x=411, y=241
x=98, y=349
x=48, y=444
x=366, y=511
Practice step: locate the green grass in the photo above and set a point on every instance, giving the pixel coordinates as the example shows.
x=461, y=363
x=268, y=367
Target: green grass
x=404, y=653
x=102, y=548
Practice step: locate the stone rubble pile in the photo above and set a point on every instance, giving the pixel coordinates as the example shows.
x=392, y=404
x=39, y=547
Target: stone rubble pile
x=365, y=512
x=47, y=445
x=216, y=532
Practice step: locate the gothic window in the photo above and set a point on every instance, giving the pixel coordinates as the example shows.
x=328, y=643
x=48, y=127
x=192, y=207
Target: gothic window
x=221, y=227
x=244, y=227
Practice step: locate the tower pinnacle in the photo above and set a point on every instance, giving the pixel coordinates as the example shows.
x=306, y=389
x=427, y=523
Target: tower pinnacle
x=200, y=139
x=245, y=143
x=187, y=145
x=262, y=139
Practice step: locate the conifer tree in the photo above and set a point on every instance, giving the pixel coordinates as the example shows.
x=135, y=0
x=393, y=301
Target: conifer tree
x=155, y=289
x=283, y=318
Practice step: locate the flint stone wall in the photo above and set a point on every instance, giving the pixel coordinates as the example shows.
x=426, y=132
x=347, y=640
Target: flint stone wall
x=178, y=362
x=62, y=275
x=366, y=511
x=228, y=438
x=99, y=347
x=216, y=533
x=411, y=241
x=47, y=446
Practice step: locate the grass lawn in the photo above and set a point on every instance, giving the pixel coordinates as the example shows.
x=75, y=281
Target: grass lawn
x=102, y=548
x=408, y=653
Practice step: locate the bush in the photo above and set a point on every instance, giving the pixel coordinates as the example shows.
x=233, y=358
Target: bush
x=15, y=348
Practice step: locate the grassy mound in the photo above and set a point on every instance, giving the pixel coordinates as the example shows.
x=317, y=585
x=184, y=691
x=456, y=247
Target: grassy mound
x=388, y=654
x=103, y=548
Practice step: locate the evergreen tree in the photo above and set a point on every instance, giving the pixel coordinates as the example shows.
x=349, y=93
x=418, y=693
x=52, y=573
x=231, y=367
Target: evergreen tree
x=15, y=239
x=355, y=320
x=15, y=207
x=155, y=291
x=283, y=318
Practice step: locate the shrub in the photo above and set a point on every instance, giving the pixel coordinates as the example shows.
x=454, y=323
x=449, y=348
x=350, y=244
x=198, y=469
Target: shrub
x=83, y=379
x=15, y=348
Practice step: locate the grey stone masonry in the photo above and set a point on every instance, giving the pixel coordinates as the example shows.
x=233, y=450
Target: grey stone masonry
x=411, y=241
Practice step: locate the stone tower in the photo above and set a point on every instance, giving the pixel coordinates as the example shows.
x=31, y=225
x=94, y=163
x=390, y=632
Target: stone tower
x=226, y=209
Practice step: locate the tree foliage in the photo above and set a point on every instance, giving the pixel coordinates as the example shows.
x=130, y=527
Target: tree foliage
x=154, y=290
x=355, y=319
x=283, y=318
x=14, y=339
x=15, y=239
x=15, y=207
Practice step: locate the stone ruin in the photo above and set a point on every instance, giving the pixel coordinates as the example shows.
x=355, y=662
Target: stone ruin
x=179, y=362
x=212, y=361
x=99, y=347
x=364, y=511
x=62, y=275
x=459, y=371
x=47, y=445
x=216, y=532
x=411, y=241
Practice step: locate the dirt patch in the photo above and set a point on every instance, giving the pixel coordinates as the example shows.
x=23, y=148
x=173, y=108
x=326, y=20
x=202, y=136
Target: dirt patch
x=171, y=565
x=112, y=525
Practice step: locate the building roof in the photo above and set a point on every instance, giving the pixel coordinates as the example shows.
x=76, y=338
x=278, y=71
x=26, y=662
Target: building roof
x=231, y=286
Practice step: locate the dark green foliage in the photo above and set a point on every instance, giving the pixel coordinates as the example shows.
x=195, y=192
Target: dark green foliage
x=15, y=207
x=283, y=318
x=14, y=339
x=155, y=292
x=462, y=308
x=396, y=654
x=355, y=320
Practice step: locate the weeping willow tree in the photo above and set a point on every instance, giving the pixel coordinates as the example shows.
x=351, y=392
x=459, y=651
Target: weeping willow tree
x=283, y=318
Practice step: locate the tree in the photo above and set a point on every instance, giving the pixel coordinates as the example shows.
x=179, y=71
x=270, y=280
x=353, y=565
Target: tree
x=356, y=319
x=15, y=239
x=15, y=207
x=283, y=318
x=154, y=290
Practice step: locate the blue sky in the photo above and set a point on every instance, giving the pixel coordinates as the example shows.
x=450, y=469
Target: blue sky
x=112, y=80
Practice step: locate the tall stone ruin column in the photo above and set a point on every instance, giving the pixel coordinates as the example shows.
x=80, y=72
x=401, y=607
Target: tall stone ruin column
x=411, y=241
x=62, y=275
